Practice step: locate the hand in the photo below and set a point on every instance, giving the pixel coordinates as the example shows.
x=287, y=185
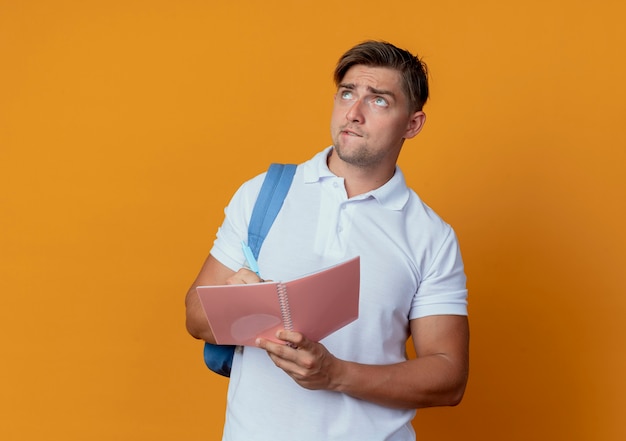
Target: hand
x=243, y=277
x=307, y=362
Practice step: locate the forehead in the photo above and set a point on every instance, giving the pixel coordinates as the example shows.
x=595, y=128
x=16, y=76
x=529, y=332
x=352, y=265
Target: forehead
x=373, y=77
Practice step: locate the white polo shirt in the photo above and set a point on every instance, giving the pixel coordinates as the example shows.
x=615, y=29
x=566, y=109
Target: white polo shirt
x=411, y=267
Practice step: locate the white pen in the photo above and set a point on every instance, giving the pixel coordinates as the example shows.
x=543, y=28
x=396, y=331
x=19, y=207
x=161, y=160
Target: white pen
x=252, y=263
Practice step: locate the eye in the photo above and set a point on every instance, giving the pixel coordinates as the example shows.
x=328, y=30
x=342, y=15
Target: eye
x=346, y=95
x=380, y=101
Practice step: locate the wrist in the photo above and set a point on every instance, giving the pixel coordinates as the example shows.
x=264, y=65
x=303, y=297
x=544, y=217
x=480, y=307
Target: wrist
x=339, y=372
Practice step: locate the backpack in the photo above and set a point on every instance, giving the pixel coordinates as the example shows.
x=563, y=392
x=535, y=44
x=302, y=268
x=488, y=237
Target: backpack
x=219, y=358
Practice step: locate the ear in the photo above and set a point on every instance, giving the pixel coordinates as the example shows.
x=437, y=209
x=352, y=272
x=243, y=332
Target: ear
x=416, y=122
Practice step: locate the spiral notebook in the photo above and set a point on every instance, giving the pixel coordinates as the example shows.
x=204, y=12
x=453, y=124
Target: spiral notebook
x=317, y=305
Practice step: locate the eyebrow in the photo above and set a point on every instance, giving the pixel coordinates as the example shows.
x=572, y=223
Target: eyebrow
x=352, y=86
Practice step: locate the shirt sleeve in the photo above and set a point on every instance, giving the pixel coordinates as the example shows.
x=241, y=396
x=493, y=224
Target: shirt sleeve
x=227, y=245
x=442, y=289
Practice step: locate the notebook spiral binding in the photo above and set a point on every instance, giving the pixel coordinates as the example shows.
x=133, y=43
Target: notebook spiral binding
x=283, y=302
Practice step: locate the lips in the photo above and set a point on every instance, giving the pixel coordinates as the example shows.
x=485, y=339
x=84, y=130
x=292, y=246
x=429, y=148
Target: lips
x=349, y=132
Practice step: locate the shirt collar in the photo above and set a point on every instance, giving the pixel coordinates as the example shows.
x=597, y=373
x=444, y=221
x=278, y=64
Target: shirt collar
x=393, y=195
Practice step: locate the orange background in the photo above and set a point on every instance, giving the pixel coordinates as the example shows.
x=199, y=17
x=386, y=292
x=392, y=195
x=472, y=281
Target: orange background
x=125, y=126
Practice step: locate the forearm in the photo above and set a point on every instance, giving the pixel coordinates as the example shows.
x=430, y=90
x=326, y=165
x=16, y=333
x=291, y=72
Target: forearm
x=437, y=377
x=212, y=273
x=428, y=381
x=196, y=321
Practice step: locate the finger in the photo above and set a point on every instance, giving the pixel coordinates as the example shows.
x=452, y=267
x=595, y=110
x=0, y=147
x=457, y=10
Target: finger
x=242, y=277
x=293, y=338
x=281, y=354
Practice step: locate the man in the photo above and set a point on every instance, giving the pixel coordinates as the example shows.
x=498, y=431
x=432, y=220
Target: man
x=351, y=200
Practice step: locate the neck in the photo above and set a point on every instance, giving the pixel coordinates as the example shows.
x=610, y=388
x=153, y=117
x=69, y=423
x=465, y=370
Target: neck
x=360, y=179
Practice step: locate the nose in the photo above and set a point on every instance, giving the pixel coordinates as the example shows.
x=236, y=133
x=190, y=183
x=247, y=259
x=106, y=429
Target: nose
x=355, y=112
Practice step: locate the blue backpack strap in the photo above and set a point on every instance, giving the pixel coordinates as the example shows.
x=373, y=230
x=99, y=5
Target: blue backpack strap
x=219, y=358
x=269, y=202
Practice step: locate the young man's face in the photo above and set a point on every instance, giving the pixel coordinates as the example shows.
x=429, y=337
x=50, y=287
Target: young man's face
x=371, y=117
